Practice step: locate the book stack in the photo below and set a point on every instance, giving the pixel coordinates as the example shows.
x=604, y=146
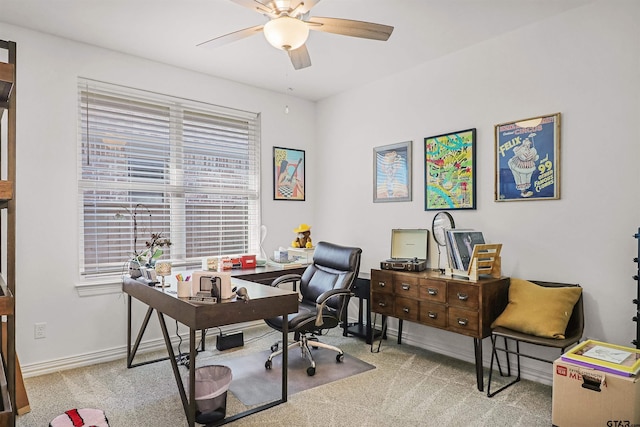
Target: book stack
x=605, y=357
x=460, y=243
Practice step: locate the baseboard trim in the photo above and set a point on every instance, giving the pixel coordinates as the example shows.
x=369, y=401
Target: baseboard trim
x=457, y=352
x=117, y=353
x=87, y=359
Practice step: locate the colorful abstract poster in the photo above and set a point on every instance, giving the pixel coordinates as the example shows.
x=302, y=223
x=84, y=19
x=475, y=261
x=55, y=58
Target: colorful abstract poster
x=450, y=171
x=528, y=159
x=288, y=174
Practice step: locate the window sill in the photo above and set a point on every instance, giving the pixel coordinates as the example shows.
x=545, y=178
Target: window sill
x=106, y=286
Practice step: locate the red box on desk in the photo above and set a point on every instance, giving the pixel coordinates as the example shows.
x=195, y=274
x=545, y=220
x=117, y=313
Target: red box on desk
x=248, y=261
x=588, y=397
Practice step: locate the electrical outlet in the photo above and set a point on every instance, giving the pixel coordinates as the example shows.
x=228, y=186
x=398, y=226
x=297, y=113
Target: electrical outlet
x=40, y=330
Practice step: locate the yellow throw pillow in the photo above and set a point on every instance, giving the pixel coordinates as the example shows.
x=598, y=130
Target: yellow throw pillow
x=538, y=310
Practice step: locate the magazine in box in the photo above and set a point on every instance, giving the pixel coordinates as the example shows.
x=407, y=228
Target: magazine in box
x=606, y=357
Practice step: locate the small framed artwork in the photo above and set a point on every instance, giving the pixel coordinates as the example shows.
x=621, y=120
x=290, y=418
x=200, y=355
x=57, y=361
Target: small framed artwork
x=288, y=174
x=527, y=159
x=392, y=173
x=450, y=171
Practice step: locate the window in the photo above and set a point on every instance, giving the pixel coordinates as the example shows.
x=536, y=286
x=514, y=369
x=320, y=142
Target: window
x=188, y=170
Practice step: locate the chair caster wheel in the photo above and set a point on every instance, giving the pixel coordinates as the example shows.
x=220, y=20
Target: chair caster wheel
x=339, y=358
x=274, y=348
x=311, y=371
x=267, y=364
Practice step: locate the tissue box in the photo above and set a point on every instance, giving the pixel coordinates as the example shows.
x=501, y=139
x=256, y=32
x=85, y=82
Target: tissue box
x=281, y=256
x=301, y=255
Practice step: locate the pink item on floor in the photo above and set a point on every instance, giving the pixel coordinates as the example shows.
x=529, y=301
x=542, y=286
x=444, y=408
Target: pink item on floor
x=81, y=418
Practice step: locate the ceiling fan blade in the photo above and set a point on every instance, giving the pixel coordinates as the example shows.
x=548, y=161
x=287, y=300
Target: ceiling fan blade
x=348, y=27
x=300, y=57
x=232, y=37
x=255, y=5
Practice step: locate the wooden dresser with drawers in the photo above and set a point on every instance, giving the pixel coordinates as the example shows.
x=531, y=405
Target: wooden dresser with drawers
x=430, y=298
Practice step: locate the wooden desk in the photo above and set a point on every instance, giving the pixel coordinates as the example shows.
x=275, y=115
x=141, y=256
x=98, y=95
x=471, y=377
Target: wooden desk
x=432, y=299
x=362, y=290
x=265, y=302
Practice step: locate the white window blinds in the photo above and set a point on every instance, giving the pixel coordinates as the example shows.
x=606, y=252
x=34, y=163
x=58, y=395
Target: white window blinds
x=185, y=169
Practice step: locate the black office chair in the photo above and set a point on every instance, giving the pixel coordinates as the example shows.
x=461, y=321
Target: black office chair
x=325, y=287
x=572, y=335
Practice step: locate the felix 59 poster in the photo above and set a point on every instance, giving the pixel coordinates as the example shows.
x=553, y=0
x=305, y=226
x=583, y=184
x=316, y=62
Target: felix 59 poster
x=528, y=159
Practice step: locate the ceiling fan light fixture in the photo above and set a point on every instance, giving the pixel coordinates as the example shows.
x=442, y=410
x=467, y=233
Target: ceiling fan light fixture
x=286, y=33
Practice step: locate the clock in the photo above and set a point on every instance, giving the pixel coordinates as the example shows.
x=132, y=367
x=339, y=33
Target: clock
x=441, y=222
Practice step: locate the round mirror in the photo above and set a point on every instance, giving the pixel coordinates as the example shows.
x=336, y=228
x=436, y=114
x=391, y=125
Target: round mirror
x=442, y=222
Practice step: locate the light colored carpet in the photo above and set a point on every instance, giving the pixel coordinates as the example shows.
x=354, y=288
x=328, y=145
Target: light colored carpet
x=409, y=387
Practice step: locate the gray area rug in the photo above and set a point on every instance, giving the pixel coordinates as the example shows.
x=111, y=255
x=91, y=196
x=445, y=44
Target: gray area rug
x=253, y=384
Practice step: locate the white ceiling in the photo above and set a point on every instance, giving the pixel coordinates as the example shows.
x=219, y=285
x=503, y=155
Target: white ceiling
x=168, y=32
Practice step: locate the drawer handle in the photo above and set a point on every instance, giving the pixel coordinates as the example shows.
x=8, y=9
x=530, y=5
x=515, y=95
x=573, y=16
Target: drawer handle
x=463, y=297
x=432, y=291
x=405, y=287
x=405, y=309
x=462, y=321
x=382, y=304
x=432, y=315
x=381, y=284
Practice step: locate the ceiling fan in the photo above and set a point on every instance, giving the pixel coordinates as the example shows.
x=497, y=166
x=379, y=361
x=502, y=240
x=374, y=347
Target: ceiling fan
x=289, y=25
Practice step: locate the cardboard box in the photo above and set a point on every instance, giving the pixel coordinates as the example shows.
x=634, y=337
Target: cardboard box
x=212, y=263
x=584, y=396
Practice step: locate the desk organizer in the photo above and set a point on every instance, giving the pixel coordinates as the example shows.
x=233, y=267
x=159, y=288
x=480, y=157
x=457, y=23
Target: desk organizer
x=485, y=260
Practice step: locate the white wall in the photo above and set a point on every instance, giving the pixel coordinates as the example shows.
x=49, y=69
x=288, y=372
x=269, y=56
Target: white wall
x=585, y=64
x=46, y=190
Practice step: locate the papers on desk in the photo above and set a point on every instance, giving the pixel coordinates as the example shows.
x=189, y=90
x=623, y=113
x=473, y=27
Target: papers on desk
x=284, y=265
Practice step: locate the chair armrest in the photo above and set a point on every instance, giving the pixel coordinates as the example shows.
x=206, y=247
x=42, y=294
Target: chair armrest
x=287, y=278
x=324, y=297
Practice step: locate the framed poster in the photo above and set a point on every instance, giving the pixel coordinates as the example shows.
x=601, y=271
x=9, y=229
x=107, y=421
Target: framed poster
x=527, y=159
x=288, y=174
x=450, y=171
x=392, y=173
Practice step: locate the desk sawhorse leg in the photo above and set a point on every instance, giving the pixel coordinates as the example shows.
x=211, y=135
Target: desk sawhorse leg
x=189, y=403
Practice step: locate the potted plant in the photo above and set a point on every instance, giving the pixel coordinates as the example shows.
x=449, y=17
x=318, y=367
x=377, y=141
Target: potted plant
x=153, y=247
x=153, y=251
